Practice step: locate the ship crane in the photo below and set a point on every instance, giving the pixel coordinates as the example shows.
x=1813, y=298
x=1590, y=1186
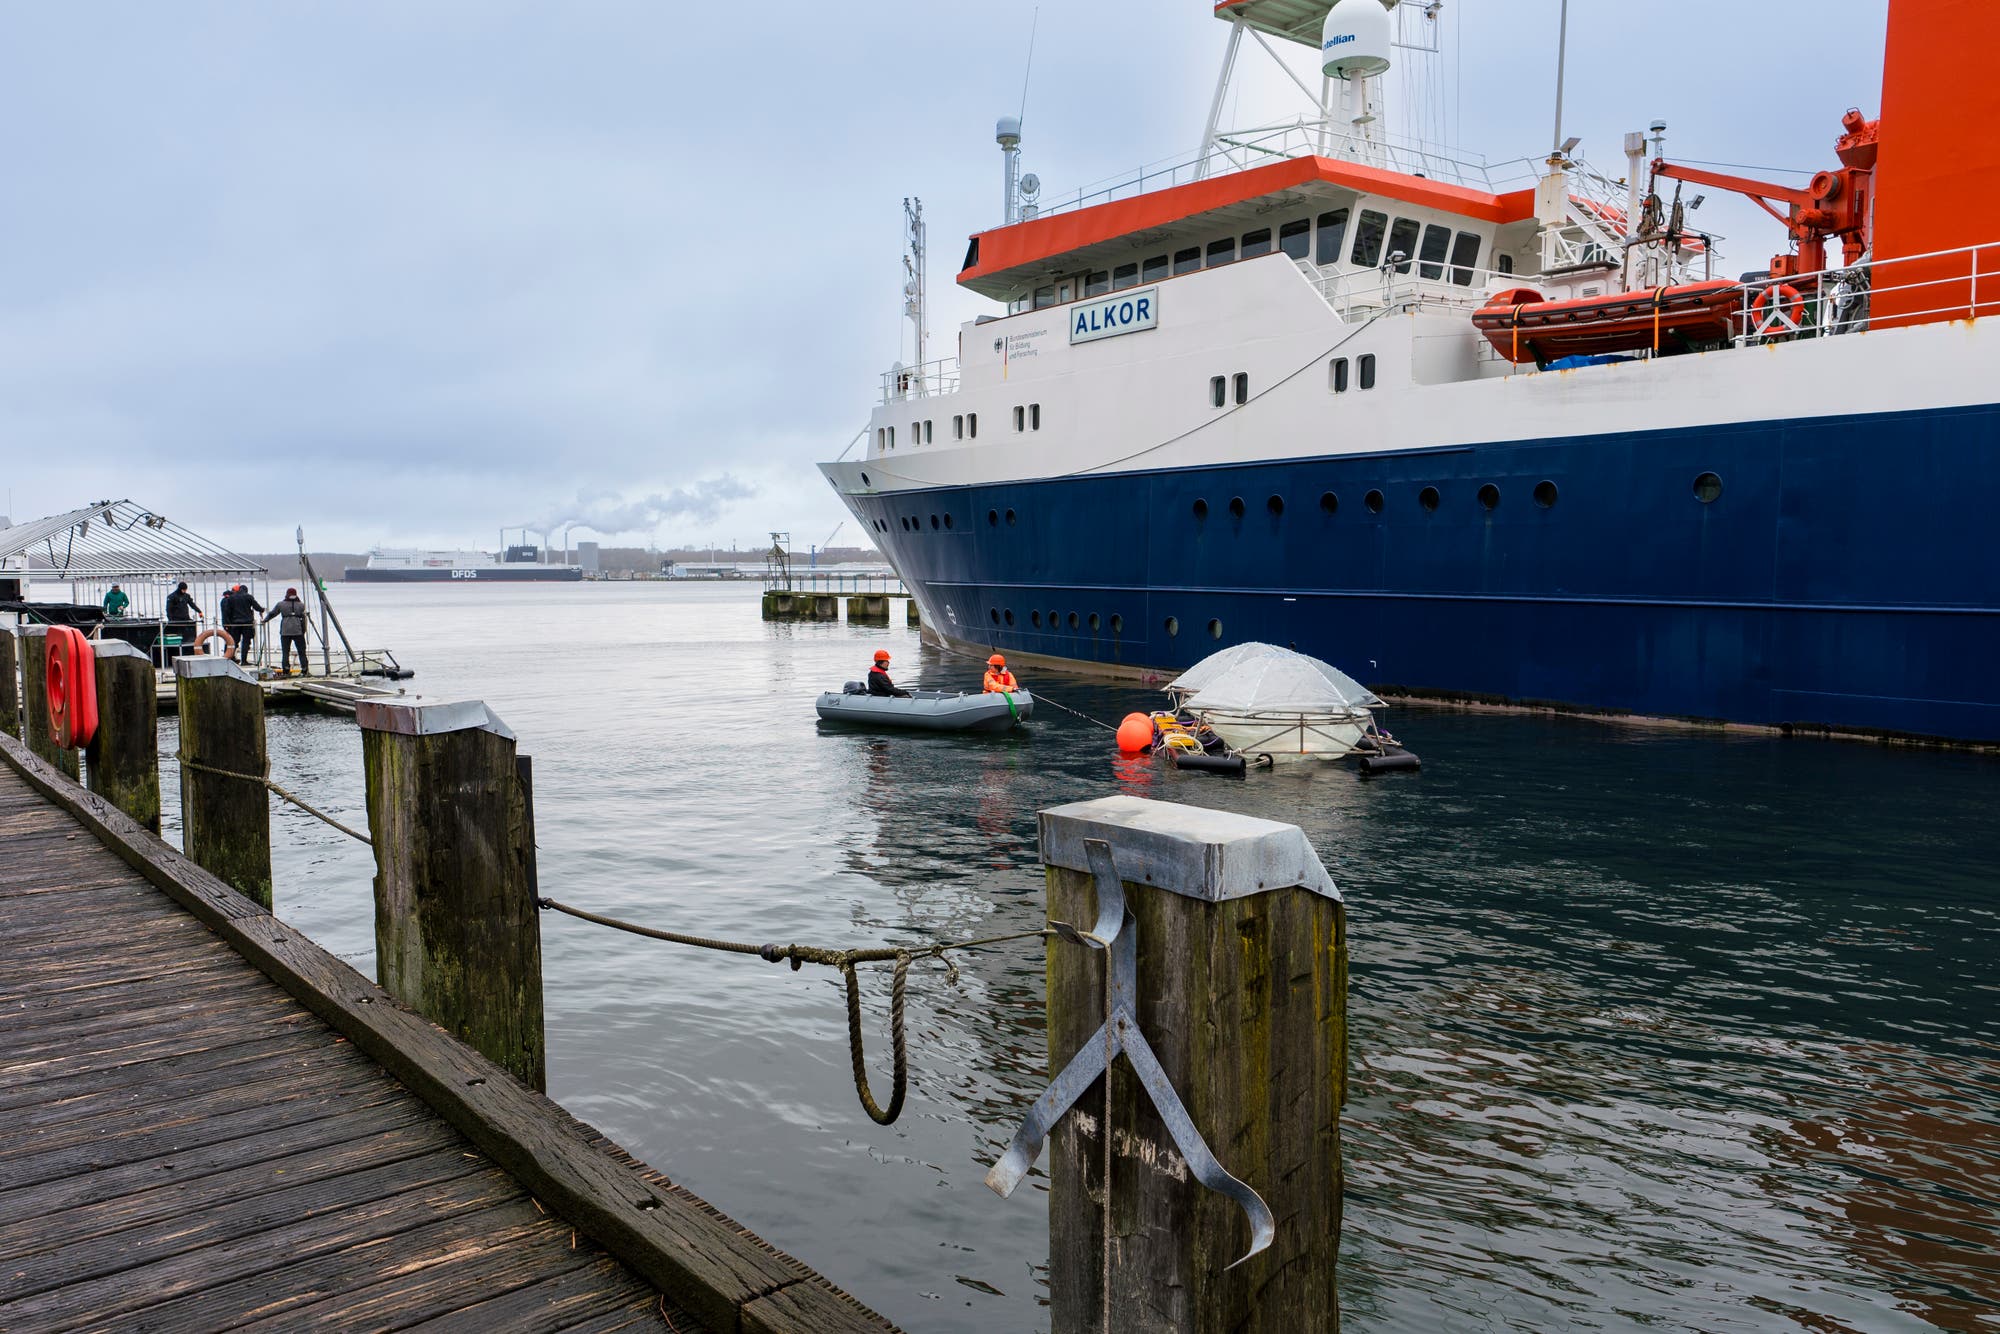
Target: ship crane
x=1835, y=204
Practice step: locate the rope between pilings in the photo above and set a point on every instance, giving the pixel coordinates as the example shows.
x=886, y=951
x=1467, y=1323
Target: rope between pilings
x=282, y=792
x=844, y=960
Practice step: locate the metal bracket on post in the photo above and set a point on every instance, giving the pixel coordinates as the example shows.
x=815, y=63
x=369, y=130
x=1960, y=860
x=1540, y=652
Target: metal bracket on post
x=1117, y=932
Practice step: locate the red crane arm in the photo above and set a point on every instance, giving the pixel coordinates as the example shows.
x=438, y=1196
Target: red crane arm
x=1760, y=193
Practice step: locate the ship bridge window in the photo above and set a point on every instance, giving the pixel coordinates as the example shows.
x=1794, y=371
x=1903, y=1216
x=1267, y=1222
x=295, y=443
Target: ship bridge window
x=1366, y=367
x=1242, y=388
x=1368, y=234
x=1503, y=263
x=971, y=255
x=1336, y=375
x=1403, y=241
x=1045, y=296
x=1295, y=238
x=1124, y=276
x=1097, y=284
x=1464, y=258
x=1153, y=269
x=1187, y=261
x=1257, y=243
x=1221, y=252
x=1430, y=255
x=1332, y=233
x=1218, y=391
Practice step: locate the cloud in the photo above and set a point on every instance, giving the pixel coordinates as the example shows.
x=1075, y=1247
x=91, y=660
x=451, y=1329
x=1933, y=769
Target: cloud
x=609, y=514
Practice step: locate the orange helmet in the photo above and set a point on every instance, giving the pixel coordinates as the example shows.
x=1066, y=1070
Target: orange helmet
x=996, y=661
x=881, y=655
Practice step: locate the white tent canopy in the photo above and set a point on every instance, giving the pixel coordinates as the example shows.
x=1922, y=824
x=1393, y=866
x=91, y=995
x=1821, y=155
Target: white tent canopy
x=1263, y=678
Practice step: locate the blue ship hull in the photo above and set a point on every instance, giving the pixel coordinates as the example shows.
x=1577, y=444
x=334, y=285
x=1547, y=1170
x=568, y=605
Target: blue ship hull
x=1845, y=577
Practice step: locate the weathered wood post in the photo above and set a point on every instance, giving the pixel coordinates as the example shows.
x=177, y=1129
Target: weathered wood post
x=911, y=616
x=1240, y=990
x=457, y=931
x=10, y=681
x=36, y=729
x=125, y=754
x=225, y=808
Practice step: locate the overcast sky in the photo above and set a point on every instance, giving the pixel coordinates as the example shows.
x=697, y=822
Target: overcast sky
x=407, y=271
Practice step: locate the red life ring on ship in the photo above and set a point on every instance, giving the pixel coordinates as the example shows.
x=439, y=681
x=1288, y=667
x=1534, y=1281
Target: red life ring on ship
x=72, y=685
x=1778, y=310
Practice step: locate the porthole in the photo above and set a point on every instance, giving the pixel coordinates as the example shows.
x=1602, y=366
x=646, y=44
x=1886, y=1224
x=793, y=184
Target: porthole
x=947, y=521
x=1117, y=623
x=1073, y=620
x=1373, y=500
x=1173, y=625
x=1276, y=504
x=994, y=612
x=1010, y=518
x=1215, y=629
x=1009, y=615
x=1545, y=494
x=1035, y=619
x=1236, y=507
x=993, y=518
x=1707, y=488
x=905, y=521
x=1428, y=498
x=1093, y=622
x=864, y=480
x=1201, y=509
x=1328, y=502
x=934, y=522
x=1489, y=497
x=1054, y=620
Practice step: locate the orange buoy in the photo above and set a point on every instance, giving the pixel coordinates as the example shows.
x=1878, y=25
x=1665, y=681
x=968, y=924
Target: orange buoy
x=72, y=687
x=1135, y=734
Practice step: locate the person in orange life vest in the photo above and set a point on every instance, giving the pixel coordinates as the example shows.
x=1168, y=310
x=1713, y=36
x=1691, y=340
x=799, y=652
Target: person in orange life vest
x=878, y=677
x=999, y=681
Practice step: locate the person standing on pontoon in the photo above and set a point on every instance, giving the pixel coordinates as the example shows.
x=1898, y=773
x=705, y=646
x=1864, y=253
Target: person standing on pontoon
x=291, y=629
x=878, y=677
x=181, y=615
x=239, y=618
x=115, y=603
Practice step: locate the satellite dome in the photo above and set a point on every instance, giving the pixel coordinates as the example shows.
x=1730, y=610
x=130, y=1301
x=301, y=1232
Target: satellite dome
x=1356, y=40
x=1008, y=132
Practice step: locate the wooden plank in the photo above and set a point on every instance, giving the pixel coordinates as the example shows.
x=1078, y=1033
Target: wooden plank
x=699, y=1259
x=601, y=1288
x=47, y=1063
x=313, y=1069
x=303, y=1045
x=650, y=1316
x=807, y=1307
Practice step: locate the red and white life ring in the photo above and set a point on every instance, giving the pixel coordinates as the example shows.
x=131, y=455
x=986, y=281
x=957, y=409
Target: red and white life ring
x=71, y=679
x=1778, y=311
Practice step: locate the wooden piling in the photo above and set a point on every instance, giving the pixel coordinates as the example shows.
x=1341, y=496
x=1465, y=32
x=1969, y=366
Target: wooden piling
x=225, y=808
x=1241, y=992
x=457, y=929
x=10, y=683
x=910, y=613
x=36, y=729
x=124, y=757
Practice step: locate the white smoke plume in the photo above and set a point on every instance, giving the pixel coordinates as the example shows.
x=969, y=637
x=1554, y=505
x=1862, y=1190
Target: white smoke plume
x=608, y=513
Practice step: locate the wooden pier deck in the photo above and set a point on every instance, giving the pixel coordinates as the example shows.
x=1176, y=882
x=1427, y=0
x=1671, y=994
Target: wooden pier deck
x=186, y=1144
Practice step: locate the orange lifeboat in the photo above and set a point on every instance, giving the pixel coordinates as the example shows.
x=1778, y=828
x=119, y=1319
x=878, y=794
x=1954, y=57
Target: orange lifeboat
x=1525, y=328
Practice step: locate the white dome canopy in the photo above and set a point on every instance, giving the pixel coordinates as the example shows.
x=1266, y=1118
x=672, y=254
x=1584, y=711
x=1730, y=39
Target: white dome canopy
x=1357, y=40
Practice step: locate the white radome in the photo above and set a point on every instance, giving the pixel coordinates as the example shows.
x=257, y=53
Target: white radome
x=1356, y=40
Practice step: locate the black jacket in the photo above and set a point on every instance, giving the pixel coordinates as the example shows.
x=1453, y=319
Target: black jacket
x=240, y=608
x=180, y=606
x=880, y=684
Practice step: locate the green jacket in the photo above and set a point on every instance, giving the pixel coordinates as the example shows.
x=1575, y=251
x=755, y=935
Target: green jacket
x=115, y=602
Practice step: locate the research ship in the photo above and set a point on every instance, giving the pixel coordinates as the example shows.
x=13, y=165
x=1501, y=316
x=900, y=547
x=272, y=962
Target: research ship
x=1470, y=437
x=518, y=563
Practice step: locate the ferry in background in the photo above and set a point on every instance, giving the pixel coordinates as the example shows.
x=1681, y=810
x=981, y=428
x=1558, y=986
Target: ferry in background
x=1483, y=435
x=521, y=563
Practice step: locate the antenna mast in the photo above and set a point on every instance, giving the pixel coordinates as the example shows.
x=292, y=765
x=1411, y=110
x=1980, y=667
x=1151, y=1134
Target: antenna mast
x=913, y=278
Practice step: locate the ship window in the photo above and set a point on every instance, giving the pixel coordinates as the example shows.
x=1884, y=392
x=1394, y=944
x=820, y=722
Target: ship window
x=1052, y=618
x=1489, y=497
x=993, y=518
x=864, y=479
x=947, y=523
x=1503, y=263
x=1117, y=623
x=881, y=439
x=1242, y=388
x=1034, y=416
x=1707, y=488
x=1218, y=391
x=971, y=426
x=1545, y=494
x=994, y=612
x=1045, y=296
x=1010, y=518
x=1221, y=252
x=1009, y=615
x=1257, y=243
x=1336, y=375
x=1295, y=238
x=1368, y=238
x=1367, y=369
x=1328, y=502
x=1276, y=504
x=1187, y=261
x=1464, y=258
x=1332, y=232
x=1236, y=507
x=1373, y=500
x=1153, y=269
x=1428, y=498
x=1430, y=257
x=1093, y=622
x=892, y=437
x=1035, y=619
x=1073, y=620
x=1173, y=625
x=958, y=427
x=934, y=522
x=1215, y=629
x=1097, y=284
x=971, y=255
x=927, y=430
x=1124, y=276
x=1403, y=241
x=1200, y=509
x=916, y=433
x=1020, y=418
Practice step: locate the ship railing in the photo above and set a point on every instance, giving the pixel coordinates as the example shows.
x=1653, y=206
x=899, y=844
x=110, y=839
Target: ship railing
x=1931, y=288
x=922, y=381
x=838, y=583
x=1305, y=136
x=1409, y=285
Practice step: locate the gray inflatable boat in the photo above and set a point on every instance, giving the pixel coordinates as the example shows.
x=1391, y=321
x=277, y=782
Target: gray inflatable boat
x=926, y=710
